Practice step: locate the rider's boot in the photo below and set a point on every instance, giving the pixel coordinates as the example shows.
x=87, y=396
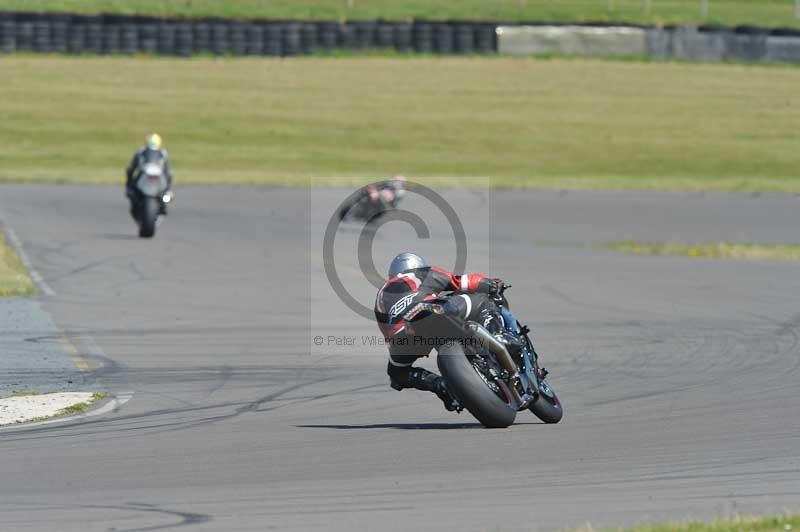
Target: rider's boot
x=422, y=379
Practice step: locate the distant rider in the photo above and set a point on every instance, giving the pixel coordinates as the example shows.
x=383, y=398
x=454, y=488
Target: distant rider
x=382, y=196
x=472, y=299
x=152, y=151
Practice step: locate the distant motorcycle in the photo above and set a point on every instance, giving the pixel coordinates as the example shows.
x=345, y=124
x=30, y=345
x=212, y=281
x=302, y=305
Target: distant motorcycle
x=150, y=197
x=372, y=203
x=487, y=376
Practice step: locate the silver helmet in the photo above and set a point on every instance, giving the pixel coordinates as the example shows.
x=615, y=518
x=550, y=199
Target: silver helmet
x=405, y=262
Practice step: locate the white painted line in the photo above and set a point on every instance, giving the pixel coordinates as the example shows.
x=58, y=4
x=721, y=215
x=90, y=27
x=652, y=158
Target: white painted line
x=16, y=243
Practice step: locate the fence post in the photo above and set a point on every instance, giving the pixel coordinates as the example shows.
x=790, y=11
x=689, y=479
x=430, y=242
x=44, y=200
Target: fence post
x=704, y=8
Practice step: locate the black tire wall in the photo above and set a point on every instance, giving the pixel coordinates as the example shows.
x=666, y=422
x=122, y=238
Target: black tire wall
x=121, y=34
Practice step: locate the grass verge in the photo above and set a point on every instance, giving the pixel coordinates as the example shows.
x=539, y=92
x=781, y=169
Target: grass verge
x=80, y=408
x=769, y=13
x=14, y=278
x=786, y=523
x=721, y=250
x=523, y=122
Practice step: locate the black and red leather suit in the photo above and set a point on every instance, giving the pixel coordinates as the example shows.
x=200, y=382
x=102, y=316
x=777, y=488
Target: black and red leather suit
x=470, y=300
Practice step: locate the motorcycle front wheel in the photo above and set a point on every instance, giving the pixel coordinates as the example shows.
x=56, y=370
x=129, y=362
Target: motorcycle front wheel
x=148, y=217
x=547, y=406
x=472, y=390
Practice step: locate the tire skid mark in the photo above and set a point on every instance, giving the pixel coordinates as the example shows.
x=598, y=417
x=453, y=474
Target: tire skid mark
x=110, y=426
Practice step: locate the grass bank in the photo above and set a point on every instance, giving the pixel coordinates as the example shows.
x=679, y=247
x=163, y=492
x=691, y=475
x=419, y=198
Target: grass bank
x=731, y=12
x=786, y=523
x=14, y=278
x=721, y=250
x=523, y=122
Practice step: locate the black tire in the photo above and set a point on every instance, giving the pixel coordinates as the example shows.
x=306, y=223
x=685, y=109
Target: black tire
x=547, y=406
x=149, y=215
x=471, y=390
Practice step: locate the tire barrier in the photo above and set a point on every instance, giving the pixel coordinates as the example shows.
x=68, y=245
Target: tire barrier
x=237, y=40
x=76, y=37
x=41, y=35
x=365, y=32
x=347, y=37
x=129, y=38
x=219, y=38
x=112, y=39
x=423, y=37
x=24, y=33
x=485, y=38
x=8, y=35
x=443, y=38
x=255, y=39
x=94, y=37
x=328, y=36
x=119, y=34
x=166, y=38
x=184, y=39
x=273, y=40
x=148, y=37
x=201, y=38
x=403, y=37
x=59, y=34
x=292, y=39
x=309, y=37
x=384, y=36
x=465, y=38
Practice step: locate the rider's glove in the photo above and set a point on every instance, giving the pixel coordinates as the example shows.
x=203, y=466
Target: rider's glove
x=500, y=285
x=488, y=286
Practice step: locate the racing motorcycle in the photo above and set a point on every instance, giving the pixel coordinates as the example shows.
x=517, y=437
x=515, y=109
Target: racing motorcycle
x=489, y=374
x=371, y=204
x=150, y=197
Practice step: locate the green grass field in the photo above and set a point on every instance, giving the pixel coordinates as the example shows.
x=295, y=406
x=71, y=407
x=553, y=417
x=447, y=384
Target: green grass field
x=763, y=12
x=14, y=278
x=522, y=122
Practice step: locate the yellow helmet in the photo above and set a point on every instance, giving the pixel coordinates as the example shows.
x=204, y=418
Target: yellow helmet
x=153, y=141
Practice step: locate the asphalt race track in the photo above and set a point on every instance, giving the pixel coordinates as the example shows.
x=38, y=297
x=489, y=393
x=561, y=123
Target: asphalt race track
x=680, y=377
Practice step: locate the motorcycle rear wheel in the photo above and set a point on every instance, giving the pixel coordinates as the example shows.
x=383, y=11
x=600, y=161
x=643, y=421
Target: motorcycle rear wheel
x=471, y=390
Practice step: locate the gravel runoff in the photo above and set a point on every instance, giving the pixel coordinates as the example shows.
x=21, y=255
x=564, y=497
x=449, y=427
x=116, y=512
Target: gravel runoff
x=26, y=408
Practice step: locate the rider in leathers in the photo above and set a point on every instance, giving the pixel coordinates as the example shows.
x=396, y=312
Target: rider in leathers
x=382, y=196
x=152, y=150
x=410, y=275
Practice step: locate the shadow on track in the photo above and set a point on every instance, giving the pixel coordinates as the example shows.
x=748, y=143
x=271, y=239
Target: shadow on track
x=405, y=426
x=114, y=236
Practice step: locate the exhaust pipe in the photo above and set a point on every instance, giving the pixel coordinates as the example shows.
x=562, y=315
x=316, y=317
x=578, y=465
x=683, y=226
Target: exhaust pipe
x=495, y=345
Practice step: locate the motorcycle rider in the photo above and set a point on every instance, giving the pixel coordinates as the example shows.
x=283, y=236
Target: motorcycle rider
x=412, y=279
x=152, y=150
x=383, y=196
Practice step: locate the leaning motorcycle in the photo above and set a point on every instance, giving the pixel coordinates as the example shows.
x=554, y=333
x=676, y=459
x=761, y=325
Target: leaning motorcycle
x=371, y=204
x=150, y=197
x=488, y=377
